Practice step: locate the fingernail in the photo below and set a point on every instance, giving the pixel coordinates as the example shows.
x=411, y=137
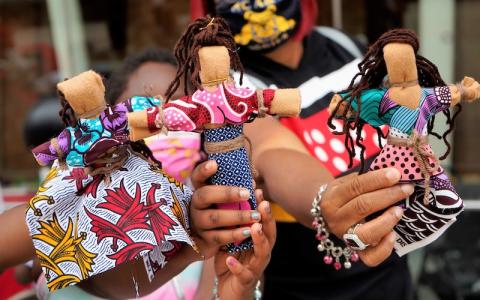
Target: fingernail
x=267, y=207
x=246, y=233
x=231, y=261
x=407, y=188
x=398, y=211
x=209, y=165
x=259, y=230
x=392, y=174
x=244, y=194
x=255, y=216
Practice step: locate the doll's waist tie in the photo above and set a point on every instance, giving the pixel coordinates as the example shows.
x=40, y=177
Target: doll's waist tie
x=418, y=142
x=112, y=161
x=231, y=145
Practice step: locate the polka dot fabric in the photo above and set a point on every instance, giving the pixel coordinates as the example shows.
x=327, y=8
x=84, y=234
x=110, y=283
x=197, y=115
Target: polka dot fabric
x=402, y=158
x=233, y=170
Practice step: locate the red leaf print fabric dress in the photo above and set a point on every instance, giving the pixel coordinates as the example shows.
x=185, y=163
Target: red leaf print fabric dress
x=84, y=225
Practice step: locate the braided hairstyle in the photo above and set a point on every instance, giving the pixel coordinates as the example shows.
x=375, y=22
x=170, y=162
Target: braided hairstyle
x=372, y=71
x=205, y=31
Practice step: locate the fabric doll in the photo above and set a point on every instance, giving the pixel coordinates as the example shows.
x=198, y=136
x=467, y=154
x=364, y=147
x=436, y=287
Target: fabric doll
x=407, y=103
x=218, y=108
x=106, y=199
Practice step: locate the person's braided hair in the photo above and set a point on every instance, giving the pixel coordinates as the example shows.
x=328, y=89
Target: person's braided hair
x=205, y=31
x=372, y=71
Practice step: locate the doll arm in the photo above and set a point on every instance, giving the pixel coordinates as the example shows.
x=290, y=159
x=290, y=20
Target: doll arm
x=176, y=115
x=285, y=102
x=468, y=89
x=373, y=110
x=46, y=153
x=336, y=99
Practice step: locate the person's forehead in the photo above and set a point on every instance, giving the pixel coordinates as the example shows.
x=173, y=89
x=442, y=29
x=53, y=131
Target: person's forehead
x=151, y=78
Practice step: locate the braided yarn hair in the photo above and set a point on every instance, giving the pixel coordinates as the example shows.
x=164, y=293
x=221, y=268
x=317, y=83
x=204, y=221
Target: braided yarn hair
x=372, y=71
x=204, y=31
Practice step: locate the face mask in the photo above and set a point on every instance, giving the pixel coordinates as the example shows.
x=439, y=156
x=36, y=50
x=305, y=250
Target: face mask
x=260, y=25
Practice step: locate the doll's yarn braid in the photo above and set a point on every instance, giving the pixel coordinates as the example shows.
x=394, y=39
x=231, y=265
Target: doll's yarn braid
x=205, y=31
x=372, y=71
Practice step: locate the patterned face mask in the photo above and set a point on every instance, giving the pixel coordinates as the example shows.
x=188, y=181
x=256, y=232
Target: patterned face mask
x=179, y=152
x=260, y=25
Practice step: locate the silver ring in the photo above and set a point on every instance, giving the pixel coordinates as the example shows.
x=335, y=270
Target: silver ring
x=352, y=240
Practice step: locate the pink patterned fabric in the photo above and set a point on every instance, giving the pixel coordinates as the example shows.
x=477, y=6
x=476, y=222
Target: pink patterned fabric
x=226, y=105
x=402, y=158
x=178, y=152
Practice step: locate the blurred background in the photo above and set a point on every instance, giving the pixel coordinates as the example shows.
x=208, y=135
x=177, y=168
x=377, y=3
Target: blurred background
x=44, y=41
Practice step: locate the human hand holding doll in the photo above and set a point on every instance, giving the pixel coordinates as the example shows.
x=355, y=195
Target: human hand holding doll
x=239, y=273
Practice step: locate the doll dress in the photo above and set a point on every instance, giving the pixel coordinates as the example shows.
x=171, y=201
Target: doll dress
x=83, y=225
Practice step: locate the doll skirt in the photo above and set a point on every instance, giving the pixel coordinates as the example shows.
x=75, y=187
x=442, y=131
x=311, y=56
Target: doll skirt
x=82, y=226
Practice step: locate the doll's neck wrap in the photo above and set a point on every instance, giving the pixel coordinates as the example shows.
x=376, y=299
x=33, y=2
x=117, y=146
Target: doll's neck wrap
x=231, y=145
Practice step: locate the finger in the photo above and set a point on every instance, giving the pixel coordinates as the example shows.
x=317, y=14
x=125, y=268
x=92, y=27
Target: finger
x=269, y=227
x=361, y=184
x=259, y=196
x=261, y=249
x=373, y=256
x=374, y=231
x=244, y=275
x=226, y=236
x=206, y=196
x=369, y=203
x=344, y=179
x=218, y=218
x=202, y=172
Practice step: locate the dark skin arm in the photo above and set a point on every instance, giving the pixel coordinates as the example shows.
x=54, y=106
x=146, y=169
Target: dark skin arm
x=14, y=231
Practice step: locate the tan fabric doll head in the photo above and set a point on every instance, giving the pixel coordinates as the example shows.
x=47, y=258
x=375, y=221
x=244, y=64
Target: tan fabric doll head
x=401, y=66
x=214, y=64
x=85, y=93
x=205, y=53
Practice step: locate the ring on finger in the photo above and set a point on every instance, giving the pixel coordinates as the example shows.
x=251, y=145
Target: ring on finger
x=353, y=240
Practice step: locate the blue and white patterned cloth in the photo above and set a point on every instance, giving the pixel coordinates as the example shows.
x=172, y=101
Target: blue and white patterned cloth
x=233, y=169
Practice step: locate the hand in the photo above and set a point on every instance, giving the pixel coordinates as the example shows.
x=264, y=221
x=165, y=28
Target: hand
x=212, y=227
x=238, y=275
x=349, y=200
x=470, y=89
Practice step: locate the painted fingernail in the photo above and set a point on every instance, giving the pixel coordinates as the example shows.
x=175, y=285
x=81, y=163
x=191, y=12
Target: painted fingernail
x=244, y=194
x=231, y=261
x=259, y=229
x=398, y=211
x=267, y=207
x=407, y=188
x=209, y=165
x=246, y=233
x=392, y=174
x=255, y=216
